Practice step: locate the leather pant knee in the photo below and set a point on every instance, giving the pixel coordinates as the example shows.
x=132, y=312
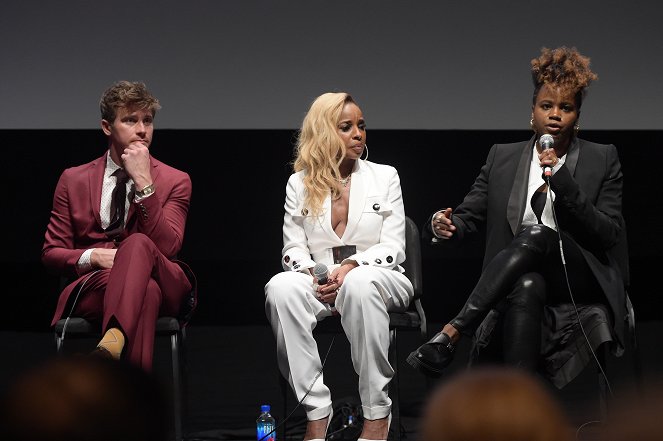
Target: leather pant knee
x=525, y=254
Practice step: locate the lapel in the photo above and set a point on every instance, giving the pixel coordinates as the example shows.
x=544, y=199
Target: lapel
x=96, y=179
x=572, y=156
x=516, y=206
x=358, y=193
x=325, y=219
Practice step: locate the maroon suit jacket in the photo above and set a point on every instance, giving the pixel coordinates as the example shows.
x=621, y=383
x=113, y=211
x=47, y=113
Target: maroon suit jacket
x=75, y=223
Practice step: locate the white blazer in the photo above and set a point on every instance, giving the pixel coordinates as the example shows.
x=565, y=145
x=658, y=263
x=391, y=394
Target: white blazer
x=376, y=222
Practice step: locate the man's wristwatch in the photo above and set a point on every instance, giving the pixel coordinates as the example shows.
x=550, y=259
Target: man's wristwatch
x=146, y=191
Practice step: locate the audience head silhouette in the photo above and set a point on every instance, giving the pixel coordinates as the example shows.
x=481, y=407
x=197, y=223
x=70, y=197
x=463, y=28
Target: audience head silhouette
x=496, y=404
x=83, y=398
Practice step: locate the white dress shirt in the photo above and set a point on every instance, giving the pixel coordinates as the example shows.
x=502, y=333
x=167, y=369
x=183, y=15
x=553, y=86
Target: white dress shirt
x=107, y=187
x=536, y=181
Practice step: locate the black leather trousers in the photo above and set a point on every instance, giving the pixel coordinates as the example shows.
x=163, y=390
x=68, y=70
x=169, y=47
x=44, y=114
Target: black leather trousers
x=519, y=281
x=514, y=280
x=523, y=312
x=525, y=254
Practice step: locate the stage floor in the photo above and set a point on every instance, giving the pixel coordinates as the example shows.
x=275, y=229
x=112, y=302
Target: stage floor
x=232, y=371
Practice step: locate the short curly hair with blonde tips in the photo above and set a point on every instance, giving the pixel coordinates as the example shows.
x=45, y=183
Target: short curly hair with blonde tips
x=563, y=68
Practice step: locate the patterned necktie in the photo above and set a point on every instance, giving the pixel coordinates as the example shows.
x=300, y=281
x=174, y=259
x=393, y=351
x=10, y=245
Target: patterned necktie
x=118, y=203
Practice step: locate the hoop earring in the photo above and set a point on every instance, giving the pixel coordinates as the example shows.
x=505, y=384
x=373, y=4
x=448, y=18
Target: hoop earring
x=531, y=124
x=576, y=129
x=365, y=148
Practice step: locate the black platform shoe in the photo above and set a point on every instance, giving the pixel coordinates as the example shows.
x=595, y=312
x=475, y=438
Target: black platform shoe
x=432, y=357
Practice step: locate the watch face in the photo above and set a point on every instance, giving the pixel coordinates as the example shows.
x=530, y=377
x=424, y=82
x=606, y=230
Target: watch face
x=146, y=191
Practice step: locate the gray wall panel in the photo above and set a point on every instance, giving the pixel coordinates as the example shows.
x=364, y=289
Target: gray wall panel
x=258, y=64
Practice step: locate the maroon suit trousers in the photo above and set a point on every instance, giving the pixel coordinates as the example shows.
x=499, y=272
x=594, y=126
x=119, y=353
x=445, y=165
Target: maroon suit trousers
x=142, y=286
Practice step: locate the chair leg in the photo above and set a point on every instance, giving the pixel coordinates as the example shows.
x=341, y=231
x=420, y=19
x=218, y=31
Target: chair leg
x=184, y=369
x=284, y=398
x=394, y=387
x=177, y=392
x=637, y=365
x=603, y=386
x=58, y=343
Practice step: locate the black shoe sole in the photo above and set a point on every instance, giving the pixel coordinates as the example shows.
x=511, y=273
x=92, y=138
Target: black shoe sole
x=423, y=367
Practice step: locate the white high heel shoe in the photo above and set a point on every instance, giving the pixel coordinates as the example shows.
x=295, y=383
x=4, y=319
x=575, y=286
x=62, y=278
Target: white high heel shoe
x=329, y=418
x=388, y=427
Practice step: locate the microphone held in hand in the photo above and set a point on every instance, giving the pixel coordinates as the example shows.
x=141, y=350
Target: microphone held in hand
x=321, y=273
x=546, y=142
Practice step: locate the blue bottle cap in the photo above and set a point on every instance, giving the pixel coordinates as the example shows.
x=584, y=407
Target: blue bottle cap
x=265, y=408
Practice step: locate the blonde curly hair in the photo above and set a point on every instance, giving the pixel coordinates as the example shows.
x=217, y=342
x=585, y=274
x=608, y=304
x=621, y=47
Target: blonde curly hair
x=320, y=150
x=564, y=68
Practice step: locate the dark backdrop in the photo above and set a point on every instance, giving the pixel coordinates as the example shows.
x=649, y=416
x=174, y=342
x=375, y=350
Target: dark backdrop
x=233, y=237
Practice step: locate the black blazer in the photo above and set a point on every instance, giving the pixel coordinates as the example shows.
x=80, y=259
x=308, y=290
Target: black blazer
x=588, y=203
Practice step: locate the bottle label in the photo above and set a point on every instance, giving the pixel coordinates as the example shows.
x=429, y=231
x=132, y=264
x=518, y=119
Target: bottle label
x=262, y=431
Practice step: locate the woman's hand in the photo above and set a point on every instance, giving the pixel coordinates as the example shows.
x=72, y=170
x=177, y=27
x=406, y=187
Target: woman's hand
x=442, y=225
x=548, y=157
x=327, y=293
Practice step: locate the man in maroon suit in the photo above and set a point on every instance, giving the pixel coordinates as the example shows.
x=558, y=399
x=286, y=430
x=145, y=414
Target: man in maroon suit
x=116, y=227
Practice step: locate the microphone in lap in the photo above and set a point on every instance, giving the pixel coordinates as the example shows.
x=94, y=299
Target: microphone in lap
x=321, y=273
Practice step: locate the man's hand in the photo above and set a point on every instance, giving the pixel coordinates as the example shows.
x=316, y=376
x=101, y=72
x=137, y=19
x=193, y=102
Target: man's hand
x=136, y=162
x=103, y=258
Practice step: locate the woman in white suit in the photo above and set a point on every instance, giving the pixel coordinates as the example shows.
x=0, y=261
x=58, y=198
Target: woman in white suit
x=346, y=213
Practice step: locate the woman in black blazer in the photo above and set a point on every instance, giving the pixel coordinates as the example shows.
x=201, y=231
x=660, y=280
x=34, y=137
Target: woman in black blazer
x=523, y=275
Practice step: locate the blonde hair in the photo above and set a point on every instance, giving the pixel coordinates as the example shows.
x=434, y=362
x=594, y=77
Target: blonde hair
x=320, y=150
x=497, y=404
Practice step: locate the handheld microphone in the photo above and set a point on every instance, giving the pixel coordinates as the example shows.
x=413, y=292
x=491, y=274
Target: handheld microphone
x=546, y=142
x=321, y=273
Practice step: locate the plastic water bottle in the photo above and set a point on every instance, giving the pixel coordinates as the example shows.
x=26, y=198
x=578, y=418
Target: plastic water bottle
x=265, y=424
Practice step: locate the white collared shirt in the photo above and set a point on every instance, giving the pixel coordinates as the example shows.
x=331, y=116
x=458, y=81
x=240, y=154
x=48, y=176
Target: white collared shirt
x=84, y=265
x=107, y=193
x=535, y=181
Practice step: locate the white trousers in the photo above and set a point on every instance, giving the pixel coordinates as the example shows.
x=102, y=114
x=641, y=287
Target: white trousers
x=363, y=301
